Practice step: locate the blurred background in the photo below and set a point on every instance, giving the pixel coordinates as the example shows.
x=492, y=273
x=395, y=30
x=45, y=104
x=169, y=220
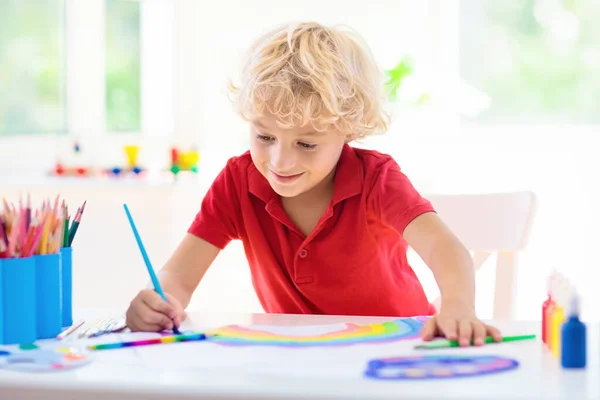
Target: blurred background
x=487, y=96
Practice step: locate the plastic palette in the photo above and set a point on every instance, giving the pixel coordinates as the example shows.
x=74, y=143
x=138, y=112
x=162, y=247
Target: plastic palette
x=34, y=359
x=437, y=367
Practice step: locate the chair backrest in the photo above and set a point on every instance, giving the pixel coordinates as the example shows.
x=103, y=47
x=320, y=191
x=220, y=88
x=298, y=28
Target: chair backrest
x=491, y=223
x=488, y=222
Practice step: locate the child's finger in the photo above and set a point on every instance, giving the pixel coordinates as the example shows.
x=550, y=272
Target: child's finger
x=177, y=321
x=429, y=329
x=136, y=323
x=449, y=329
x=172, y=300
x=156, y=303
x=465, y=332
x=150, y=317
x=479, y=333
x=493, y=332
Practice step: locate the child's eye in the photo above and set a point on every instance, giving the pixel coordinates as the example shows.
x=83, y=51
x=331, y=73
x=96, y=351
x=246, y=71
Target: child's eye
x=307, y=146
x=263, y=137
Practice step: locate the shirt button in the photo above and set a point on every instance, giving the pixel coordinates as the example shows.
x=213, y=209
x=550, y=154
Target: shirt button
x=303, y=253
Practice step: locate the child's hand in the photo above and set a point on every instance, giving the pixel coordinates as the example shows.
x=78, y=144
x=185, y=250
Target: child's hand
x=459, y=322
x=149, y=312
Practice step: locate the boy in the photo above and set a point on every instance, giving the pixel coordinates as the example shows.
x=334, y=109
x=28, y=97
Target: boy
x=325, y=226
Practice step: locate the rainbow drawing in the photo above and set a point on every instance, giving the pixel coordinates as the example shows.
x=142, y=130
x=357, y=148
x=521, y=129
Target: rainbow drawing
x=398, y=329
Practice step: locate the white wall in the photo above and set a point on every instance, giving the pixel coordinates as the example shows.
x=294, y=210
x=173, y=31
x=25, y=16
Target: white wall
x=556, y=162
x=108, y=267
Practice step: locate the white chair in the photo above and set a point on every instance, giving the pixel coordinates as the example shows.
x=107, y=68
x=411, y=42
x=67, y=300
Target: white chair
x=487, y=224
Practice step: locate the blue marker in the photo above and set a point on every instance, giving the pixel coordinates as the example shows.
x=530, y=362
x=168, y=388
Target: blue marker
x=155, y=281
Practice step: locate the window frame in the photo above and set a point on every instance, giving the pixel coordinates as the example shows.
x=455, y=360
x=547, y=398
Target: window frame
x=61, y=16
x=85, y=78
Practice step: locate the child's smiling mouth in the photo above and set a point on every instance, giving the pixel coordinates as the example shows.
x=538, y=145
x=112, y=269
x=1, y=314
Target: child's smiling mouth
x=285, y=178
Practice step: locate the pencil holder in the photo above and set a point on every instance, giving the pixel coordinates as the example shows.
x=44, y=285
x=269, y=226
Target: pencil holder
x=66, y=284
x=19, y=308
x=1, y=302
x=48, y=295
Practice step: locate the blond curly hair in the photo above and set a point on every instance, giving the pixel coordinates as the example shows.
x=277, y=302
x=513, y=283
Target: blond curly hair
x=309, y=73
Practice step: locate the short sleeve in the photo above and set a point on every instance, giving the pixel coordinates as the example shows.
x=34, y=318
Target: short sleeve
x=218, y=219
x=394, y=198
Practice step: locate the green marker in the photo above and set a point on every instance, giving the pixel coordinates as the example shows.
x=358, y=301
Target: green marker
x=440, y=344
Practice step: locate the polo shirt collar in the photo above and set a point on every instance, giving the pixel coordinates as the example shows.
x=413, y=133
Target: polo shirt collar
x=347, y=181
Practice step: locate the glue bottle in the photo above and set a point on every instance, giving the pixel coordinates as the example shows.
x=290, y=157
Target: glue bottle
x=573, y=337
x=558, y=317
x=550, y=311
x=549, y=300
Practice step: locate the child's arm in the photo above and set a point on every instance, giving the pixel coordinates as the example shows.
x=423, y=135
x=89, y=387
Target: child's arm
x=445, y=255
x=185, y=268
x=179, y=278
x=215, y=225
x=452, y=267
x=402, y=208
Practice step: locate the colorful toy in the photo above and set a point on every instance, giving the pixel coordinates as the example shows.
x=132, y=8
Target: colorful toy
x=132, y=167
x=131, y=152
x=184, y=161
x=399, y=329
x=437, y=367
x=62, y=169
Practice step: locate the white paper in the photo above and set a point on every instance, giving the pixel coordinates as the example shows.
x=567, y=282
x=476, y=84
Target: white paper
x=314, y=362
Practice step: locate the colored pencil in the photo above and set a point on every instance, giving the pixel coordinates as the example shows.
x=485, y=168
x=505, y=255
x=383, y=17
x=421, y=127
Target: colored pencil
x=28, y=212
x=25, y=231
x=3, y=243
x=153, y=277
x=3, y=231
x=440, y=344
x=76, y=223
x=65, y=238
x=146, y=342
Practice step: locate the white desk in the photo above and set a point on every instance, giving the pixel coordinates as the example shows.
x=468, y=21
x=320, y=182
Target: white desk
x=539, y=375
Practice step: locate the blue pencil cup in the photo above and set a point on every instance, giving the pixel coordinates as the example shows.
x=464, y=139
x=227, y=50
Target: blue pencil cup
x=19, y=308
x=66, y=284
x=48, y=295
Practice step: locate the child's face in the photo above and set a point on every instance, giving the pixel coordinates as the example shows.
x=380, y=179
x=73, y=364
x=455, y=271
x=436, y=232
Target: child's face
x=295, y=160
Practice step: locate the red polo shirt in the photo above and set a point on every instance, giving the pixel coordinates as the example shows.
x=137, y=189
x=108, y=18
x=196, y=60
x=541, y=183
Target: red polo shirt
x=353, y=263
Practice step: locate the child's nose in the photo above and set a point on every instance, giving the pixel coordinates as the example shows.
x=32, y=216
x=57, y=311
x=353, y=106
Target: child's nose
x=282, y=159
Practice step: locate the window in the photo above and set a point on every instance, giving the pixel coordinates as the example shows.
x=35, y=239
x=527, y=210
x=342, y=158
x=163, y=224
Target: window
x=532, y=60
x=123, y=108
x=32, y=67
